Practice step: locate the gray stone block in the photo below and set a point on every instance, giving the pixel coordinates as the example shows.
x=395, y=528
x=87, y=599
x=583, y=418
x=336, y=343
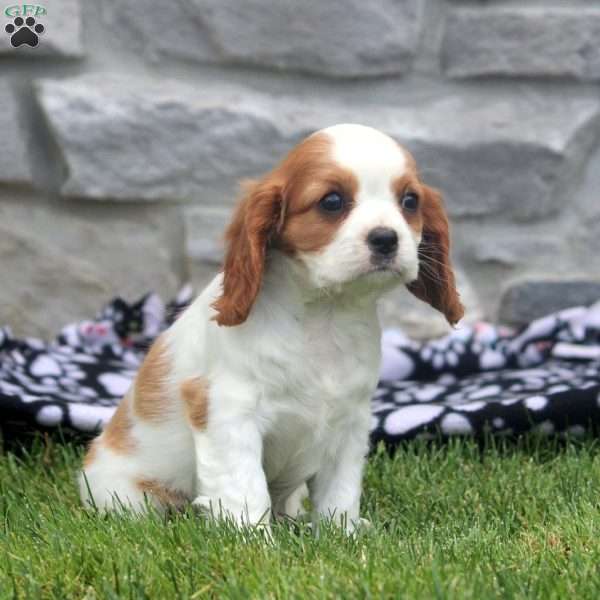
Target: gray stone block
x=15, y=164
x=509, y=156
x=339, y=39
x=62, y=35
x=498, y=246
x=125, y=139
x=62, y=261
x=205, y=229
x=523, y=302
x=129, y=139
x=523, y=41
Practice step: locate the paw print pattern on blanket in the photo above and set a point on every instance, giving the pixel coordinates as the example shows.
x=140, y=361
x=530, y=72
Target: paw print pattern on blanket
x=77, y=380
x=478, y=379
x=443, y=353
x=503, y=382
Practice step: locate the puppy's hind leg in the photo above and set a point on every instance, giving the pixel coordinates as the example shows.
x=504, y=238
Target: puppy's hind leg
x=105, y=490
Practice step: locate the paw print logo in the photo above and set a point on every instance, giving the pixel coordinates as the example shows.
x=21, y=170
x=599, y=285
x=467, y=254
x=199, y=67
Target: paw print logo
x=24, y=31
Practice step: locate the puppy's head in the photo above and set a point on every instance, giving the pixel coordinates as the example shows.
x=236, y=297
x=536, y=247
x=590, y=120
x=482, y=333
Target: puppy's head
x=348, y=205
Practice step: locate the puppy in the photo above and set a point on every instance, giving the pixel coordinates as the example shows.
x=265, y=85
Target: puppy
x=264, y=383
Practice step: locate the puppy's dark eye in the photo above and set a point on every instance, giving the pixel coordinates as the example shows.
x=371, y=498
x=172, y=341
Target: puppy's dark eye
x=332, y=203
x=410, y=202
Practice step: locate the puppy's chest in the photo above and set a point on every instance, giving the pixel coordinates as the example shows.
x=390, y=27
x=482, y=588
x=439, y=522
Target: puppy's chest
x=327, y=378
x=331, y=360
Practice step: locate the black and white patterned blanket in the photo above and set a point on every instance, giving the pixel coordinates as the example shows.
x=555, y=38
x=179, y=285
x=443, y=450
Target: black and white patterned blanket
x=476, y=380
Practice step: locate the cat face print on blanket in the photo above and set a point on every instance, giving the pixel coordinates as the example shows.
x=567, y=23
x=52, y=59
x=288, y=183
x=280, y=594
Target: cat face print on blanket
x=263, y=384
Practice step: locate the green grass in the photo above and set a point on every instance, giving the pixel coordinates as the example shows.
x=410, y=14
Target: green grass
x=515, y=520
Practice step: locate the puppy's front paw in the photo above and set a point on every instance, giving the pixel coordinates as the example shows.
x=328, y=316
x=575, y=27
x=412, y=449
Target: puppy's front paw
x=357, y=526
x=204, y=505
x=239, y=515
x=362, y=524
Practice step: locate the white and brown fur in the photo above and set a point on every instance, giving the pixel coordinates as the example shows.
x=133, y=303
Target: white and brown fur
x=263, y=384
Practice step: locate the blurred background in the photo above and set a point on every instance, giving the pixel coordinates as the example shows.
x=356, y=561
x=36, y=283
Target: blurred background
x=125, y=131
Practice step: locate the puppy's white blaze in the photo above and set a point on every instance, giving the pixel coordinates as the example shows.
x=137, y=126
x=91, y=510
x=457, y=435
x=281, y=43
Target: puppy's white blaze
x=374, y=157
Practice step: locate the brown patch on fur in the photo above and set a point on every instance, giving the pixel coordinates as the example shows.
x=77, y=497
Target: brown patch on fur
x=194, y=392
x=151, y=396
x=91, y=454
x=435, y=284
x=165, y=495
x=117, y=433
x=310, y=173
x=409, y=182
x=247, y=236
x=281, y=210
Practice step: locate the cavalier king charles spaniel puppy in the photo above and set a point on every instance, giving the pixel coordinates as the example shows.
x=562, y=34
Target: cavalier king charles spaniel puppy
x=262, y=387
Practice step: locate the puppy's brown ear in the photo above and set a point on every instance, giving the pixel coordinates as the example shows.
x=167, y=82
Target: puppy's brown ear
x=435, y=284
x=255, y=219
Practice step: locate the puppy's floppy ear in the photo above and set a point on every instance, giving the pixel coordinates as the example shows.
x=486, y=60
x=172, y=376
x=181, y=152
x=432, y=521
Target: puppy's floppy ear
x=435, y=284
x=255, y=220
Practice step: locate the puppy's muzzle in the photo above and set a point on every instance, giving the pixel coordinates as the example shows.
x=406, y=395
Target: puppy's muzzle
x=383, y=243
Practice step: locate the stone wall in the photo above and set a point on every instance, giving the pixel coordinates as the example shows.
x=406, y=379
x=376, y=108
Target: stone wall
x=126, y=131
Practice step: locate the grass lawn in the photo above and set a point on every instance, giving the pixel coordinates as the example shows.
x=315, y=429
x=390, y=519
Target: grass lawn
x=514, y=520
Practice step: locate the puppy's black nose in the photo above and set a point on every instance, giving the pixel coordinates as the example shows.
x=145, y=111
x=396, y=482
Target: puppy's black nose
x=383, y=241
